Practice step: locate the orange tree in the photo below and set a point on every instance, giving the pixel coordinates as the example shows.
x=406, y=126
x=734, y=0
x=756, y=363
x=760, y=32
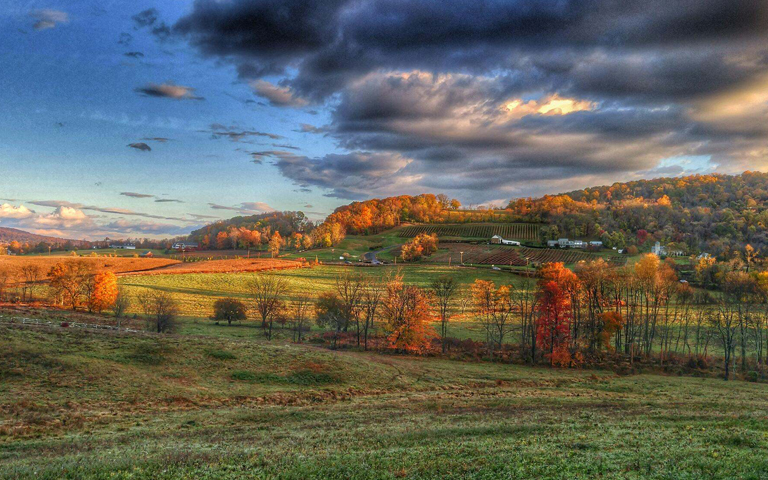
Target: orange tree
x=423, y=245
x=407, y=313
x=103, y=293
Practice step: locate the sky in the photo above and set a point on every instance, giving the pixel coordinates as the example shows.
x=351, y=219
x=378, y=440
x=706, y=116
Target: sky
x=150, y=119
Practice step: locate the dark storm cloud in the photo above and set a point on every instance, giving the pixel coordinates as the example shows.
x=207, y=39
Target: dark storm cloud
x=140, y=146
x=481, y=97
x=332, y=41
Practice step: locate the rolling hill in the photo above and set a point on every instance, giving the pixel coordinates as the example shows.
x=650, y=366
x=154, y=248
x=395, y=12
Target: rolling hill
x=8, y=235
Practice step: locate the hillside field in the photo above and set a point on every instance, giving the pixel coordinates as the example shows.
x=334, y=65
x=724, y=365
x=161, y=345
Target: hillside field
x=93, y=405
x=114, y=264
x=196, y=292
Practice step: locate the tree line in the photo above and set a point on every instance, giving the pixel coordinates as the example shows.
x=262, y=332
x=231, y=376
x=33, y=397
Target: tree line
x=718, y=214
x=562, y=317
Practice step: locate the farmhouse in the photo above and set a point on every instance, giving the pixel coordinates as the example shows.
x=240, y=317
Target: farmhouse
x=499, y=240
x=124, y=246
x=184, y=246
x=566, y=243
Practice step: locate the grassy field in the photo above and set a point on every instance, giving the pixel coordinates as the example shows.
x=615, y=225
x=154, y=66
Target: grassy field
x=197, y=292
x=86, y=405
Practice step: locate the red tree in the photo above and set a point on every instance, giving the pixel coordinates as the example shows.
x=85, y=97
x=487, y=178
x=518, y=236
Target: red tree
x=554, y=322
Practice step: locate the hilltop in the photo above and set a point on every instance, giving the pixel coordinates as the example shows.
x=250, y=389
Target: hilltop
x=8, y=235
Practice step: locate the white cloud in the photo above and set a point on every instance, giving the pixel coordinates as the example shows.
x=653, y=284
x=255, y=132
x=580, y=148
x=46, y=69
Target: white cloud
x=11, y=211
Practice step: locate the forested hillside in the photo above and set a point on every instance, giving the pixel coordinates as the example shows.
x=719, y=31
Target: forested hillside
x=719, y=214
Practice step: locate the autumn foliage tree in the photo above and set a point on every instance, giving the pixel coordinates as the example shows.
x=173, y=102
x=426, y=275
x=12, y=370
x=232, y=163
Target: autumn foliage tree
x=555, y=315
x=423, y=245
x=406, y=313
x=103, y=294
x=67, y=281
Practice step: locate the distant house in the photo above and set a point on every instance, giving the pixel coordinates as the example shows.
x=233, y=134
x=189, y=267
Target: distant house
x=184, y=246
x=596, y=243
x=123, y=246
x=660, y=250
x=703, y=255
x=566, y=243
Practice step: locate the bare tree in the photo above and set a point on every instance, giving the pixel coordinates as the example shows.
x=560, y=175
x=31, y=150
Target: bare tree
x=443, y=290
x=31, y=275
x=373, y=293
x=5, y=279
x=268, y=292
x=161, y=310
x=525, y=303
x=300, y=317
x=121, y=305
x=349, y=288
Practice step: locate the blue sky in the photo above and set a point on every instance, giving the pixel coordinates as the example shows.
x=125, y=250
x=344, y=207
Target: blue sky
x=152, y=118
x=70, y=110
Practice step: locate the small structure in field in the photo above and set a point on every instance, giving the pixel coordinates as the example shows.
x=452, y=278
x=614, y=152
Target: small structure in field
x=499, y=240
x=147, y=254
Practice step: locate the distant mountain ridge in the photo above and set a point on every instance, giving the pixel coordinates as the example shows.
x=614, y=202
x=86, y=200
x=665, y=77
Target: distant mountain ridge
x=8, y=235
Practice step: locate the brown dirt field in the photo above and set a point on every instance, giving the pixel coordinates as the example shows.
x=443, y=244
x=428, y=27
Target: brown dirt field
x=228, y=266
x=117, y=265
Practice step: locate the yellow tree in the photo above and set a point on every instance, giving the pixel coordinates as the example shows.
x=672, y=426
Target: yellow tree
x=275, y=243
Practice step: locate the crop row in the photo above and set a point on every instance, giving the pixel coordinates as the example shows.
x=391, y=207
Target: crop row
x=524, y=256
x=515, y=231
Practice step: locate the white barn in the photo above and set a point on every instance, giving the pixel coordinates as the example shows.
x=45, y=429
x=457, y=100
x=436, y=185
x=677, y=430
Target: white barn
x=498, y=239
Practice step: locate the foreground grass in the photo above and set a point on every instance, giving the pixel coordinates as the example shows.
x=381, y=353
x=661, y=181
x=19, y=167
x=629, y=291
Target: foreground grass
x=96, y=405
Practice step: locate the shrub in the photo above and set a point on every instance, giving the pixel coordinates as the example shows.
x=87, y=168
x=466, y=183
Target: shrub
x=221, y=354
x=243, y=375
x=229, y=309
